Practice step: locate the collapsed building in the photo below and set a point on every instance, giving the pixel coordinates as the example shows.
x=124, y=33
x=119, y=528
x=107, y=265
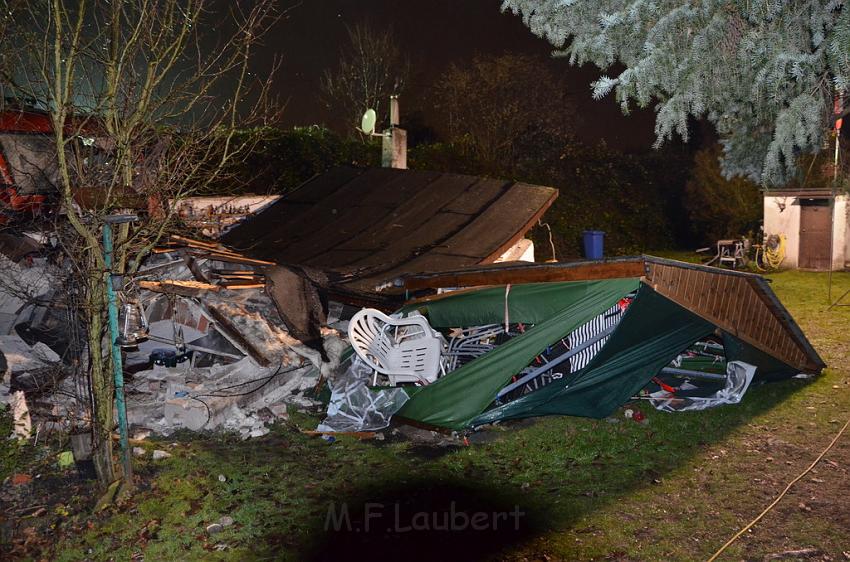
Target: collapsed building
x=404, y=293
x=228, y=338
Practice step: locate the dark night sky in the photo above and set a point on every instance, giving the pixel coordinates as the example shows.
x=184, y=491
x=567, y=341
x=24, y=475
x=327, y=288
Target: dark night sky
x=432, y=33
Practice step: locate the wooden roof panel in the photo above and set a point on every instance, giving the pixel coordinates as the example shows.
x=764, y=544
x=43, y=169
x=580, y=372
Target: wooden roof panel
x=494, y=230
x=388, y=220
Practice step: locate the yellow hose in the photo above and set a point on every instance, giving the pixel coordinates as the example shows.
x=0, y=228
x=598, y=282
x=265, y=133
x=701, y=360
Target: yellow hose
x=772, y=257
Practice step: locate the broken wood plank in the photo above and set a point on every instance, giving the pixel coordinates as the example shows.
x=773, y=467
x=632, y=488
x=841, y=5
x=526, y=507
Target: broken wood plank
x=247, y=277
x=199, y=243
x=235, y=272
x=229, y=330
x=215, y=256
x=232, y=286
x=183, y=288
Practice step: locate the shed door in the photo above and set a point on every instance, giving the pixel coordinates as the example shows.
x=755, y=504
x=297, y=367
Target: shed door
x=814, y=235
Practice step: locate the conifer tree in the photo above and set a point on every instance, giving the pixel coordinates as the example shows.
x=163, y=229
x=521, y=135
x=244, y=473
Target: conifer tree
x=764, y=72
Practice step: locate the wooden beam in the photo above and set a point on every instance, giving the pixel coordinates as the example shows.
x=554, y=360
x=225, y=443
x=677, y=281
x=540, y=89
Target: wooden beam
x=196, y=243
x=230, y=258
x=532, y=273
x=223, y=323
x=232, y=286
x=175, y=287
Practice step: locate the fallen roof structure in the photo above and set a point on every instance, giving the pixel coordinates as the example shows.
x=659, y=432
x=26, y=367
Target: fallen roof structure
x=363, y=227
x=740, y=303
x=628, y=317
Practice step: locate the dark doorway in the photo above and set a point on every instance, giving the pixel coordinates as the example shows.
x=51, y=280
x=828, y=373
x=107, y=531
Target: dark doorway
x=815, y=231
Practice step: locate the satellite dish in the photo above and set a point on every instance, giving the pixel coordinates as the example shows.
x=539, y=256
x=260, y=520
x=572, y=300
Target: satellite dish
x=367, y=124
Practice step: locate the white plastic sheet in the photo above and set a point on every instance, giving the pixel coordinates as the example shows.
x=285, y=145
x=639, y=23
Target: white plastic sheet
x=739, y=375
x=356, y=407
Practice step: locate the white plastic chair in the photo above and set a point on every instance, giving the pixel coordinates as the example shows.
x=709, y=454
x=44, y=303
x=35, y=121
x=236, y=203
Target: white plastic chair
x=403, y=349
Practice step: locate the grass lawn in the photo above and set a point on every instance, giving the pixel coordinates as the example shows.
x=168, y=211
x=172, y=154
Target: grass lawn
x=673, y=488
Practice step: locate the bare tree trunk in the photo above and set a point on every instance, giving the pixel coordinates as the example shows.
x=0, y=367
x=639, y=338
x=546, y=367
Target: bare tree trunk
x=101, y=381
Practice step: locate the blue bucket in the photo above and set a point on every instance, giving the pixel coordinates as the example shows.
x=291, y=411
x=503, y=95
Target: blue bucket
x=593, y=244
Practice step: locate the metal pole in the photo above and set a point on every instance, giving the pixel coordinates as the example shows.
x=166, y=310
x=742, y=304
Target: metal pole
x=117, y=366
x=556, y=361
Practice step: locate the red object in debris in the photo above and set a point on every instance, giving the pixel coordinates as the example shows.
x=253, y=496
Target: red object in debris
x=663, y=385
x=638, y=416
x=21, y=479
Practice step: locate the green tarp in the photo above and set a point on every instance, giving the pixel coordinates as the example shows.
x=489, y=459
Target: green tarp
x=557, y=309
x=653, y=331
x=530, y=303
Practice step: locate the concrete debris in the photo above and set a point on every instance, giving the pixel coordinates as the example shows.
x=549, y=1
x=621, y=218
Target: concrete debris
x=212, y=360
x=226, y=521
x=20, y=283
x=139, y=452
x=227, y=397
x=159, y=455
x=214, y=528
x=141, y=435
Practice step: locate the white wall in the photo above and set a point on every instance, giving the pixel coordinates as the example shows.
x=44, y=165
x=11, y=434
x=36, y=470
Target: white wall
x=781, y=217
x=840, y=255
x=847, y=233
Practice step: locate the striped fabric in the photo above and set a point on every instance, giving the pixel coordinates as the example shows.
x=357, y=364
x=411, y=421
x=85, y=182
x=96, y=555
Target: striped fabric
x=607, y=319
x=586, y=331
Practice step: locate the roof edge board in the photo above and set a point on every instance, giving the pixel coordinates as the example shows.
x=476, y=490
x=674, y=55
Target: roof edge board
x=787, y=319
x=524, y=229
x=517, y=272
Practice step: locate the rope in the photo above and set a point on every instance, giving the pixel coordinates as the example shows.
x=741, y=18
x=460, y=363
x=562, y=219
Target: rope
x=776, y=501
x=551, y=243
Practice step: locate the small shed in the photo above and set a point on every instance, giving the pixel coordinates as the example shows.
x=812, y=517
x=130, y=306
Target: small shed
x=810, y=219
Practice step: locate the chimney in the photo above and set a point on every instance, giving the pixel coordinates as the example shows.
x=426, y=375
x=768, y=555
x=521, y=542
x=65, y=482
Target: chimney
x=394, y=146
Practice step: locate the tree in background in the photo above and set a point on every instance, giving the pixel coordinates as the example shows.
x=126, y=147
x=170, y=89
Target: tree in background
x=282, y=159
x=371, y=69
x=493, y=105
x=765, y=73
x=144, y=103
x=720, y=208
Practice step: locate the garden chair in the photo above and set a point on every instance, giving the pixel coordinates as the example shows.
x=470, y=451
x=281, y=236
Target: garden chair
x=403, y=349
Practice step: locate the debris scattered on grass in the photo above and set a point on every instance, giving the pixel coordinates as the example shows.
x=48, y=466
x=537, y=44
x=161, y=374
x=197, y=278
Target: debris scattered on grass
x=159, y=455
x=21, y=479
x=65, y=459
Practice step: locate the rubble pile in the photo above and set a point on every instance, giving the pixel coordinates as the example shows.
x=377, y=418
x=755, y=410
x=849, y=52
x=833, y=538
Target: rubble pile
x=240, y=397
x=213, y=351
